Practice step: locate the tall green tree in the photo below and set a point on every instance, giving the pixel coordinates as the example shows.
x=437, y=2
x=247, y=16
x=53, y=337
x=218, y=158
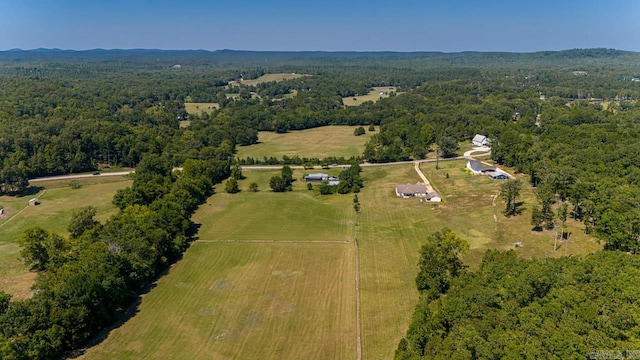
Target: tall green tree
x=82, y=220
x=440, y=262
x=509, y=192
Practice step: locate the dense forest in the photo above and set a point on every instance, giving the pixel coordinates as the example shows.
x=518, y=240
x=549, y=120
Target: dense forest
x=568, y=120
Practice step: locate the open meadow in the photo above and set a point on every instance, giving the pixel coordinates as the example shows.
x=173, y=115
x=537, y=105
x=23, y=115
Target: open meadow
x=319, y=142
x=272, y=77
x=376, y=93
x=57, y=202
x=200, y=108
x=272, y=275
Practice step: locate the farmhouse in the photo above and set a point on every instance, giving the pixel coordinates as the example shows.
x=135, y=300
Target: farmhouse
x=477, y=167
x=408, y=190
x=480, y=140
x=316, y=177
x=498, y=175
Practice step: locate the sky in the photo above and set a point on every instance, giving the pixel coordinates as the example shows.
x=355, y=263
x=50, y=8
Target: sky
x=321, y=25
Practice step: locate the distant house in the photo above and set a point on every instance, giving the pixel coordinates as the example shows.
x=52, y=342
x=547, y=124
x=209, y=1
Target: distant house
x=477, y=167
x=580, y=73
x=498, y=175
x=433, y=197
x=316, y=177
x=34, y=202
x=408, y=190
x=480, y=140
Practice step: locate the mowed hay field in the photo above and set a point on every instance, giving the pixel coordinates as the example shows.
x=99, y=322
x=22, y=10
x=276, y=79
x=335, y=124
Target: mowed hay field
x=245, y=301
x=376, y=93
x=271, y=277
x=272, y=77
x=319, y=142
x=58, y=201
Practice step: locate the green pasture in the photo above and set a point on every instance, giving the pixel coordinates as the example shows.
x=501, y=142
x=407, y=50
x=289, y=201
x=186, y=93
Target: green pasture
x=57, y=202
x=200, y=108
x=245, y=301
x=300, y=215
x=272, y=77
x=376, y=93
x=319, y=142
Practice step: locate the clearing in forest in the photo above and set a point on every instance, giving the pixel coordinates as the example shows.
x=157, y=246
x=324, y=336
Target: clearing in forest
x=376, y=93
x=57, y=202
x=200, y=108
x=318, y=142
x=273, y=77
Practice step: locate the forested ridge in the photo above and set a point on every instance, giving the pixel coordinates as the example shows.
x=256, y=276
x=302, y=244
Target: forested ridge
x=574, y=134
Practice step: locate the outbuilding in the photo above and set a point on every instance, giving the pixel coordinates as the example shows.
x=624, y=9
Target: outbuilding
x=316, y=177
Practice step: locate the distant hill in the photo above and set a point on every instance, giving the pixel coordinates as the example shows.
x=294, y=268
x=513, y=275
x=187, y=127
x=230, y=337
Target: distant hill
x=226, y=58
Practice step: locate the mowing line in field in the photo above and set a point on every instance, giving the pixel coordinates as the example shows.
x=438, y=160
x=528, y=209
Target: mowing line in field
x=357, y=263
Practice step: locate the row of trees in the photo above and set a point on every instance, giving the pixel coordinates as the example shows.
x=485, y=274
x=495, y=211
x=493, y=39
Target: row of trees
x=87, y=280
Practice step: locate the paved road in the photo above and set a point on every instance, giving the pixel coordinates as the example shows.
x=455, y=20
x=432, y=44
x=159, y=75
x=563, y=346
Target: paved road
x=467, y=155
x=80, y=176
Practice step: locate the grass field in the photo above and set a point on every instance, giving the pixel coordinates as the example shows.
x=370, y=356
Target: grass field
x=272, y=77
x=391, y=231
x=318, y=142
x=279, y=286
x=58, y=201
x=374, y=95
x=264, y=280
x=200, y=108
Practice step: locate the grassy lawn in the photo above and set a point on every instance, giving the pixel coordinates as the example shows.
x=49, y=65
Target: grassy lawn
x=58, y=201
x=374, y=95
x=318, y=142
x=272, y=77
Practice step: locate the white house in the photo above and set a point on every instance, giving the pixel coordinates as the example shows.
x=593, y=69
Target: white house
x=480, y=140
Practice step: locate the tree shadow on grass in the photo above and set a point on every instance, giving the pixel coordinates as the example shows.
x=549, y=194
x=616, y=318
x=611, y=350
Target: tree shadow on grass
x=30, y=191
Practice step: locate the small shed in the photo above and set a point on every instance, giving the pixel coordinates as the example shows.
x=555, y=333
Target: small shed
x=434, y=197
x=316, y=177
x=34, y=202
